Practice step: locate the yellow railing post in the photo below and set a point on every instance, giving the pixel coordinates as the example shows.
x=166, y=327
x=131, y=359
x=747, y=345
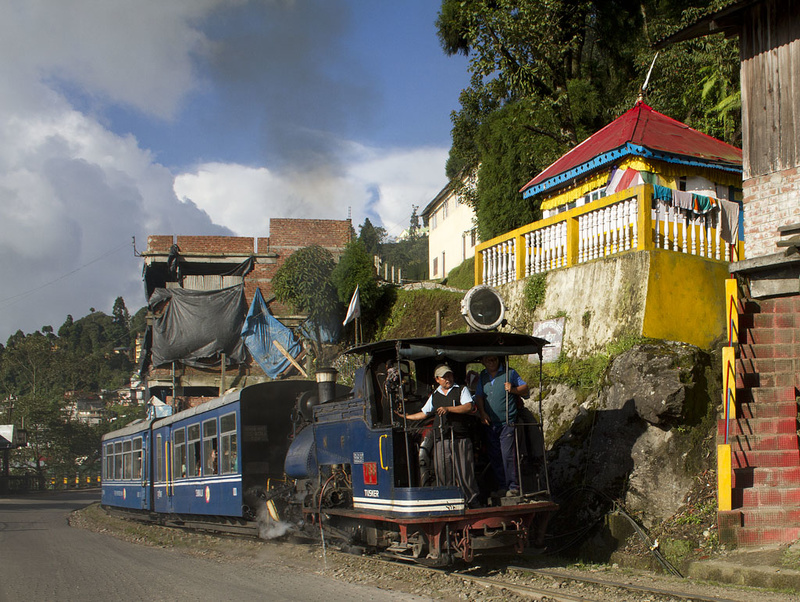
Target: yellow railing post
x=644, y=234
x=521, y=251
x=731, y=310
x=724, y=478
x=478, y=267
x=573, y=241
x=724, y=458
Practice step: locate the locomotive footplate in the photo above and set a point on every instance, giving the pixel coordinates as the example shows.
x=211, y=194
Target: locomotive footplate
x=478, y=530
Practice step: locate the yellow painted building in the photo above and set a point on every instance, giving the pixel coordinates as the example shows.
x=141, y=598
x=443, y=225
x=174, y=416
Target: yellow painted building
x=644, y=183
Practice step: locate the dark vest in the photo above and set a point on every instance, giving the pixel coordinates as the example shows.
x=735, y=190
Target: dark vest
x=459, y=423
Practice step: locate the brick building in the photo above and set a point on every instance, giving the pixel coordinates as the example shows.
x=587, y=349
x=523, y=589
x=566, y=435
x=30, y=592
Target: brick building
x=210, y=263
x=759, y=453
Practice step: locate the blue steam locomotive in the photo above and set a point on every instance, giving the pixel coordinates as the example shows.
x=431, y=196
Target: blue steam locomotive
x=343, y=461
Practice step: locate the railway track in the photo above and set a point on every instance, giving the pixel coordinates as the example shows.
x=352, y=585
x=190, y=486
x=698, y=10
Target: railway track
x=503, y=579
x=561, y=586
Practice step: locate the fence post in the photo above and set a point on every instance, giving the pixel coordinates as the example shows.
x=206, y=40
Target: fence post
x=478, y=266
x=644, y=221
x=573, y=241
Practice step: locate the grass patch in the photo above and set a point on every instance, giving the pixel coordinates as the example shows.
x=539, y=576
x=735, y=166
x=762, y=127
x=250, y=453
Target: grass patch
x=463, y=275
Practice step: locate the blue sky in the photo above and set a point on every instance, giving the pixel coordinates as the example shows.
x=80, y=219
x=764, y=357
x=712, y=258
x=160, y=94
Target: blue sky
x=126, y=119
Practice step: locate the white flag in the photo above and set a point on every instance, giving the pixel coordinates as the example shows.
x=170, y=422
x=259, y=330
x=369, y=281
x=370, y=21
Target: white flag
x=354, y=311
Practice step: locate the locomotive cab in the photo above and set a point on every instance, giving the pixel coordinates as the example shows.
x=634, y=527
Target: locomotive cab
x=368, y=469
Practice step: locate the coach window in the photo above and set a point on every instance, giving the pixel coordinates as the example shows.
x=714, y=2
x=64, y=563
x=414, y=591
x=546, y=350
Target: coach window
x=210, y=447
x=136, y=458
x=118, y=460
x=193, y=450
x=159, y=459
x=109, y=464
x=227, y=426
x=179, y=457
x=126, y=462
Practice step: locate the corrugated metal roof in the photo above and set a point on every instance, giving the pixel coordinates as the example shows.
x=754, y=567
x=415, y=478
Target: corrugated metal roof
x=640, y=131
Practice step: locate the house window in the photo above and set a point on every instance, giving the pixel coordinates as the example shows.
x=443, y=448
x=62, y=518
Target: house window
x=444, y=209
x=433, y=221
x=435, y=266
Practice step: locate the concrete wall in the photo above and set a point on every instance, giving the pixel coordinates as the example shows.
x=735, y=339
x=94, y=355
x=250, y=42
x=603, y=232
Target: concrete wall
x=655, y=294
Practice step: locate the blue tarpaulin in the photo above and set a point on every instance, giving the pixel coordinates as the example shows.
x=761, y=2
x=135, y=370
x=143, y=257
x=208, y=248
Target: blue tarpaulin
x=260, y=329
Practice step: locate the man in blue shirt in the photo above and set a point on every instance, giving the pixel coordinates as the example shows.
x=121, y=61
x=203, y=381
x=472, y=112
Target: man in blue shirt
x=496, y=395
x=452, y=405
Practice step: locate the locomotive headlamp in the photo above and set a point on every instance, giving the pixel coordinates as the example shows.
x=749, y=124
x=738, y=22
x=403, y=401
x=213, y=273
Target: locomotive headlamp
x=483, y=308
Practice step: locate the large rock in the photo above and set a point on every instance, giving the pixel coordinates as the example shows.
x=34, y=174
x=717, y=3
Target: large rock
x=622, y=444
x=659, y=378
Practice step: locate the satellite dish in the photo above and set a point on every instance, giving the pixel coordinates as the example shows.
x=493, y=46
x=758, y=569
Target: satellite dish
x=483, y=308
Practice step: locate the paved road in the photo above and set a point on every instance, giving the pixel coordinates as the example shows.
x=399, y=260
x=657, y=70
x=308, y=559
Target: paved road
x=43, y=558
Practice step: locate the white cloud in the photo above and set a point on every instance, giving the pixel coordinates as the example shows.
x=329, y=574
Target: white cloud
x=379, y=184
x=72, y=197
x=135, y=53
x=73, y=193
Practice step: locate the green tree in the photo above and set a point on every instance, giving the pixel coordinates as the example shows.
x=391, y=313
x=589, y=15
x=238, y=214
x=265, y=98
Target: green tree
x=546, y=75
x=356, y=268
x=304, y=282
x=371, y=236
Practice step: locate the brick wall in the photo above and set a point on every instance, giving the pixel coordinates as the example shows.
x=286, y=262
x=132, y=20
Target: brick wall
x=298, y=233
x=216, y=244
x=770, y=201
x=159, y=243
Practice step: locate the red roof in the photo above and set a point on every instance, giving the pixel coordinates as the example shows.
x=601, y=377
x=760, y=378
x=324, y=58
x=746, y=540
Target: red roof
x=644, y=127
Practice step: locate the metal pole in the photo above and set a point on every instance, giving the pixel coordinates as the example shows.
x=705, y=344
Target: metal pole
x=405, y=420
x=541, y=423
x=222, y=378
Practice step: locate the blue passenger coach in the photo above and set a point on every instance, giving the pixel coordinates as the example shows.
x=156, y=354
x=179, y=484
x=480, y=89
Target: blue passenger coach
x=126, y=467
x=215, y=459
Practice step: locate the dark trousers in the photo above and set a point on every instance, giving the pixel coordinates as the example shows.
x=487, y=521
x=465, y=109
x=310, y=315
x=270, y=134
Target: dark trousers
x=455, y=465
x=503, y=455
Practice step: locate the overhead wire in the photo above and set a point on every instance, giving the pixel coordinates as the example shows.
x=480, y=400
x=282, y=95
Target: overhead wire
x=19, y=296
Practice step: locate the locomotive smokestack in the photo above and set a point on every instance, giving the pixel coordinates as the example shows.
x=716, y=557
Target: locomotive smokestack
x=326, y=384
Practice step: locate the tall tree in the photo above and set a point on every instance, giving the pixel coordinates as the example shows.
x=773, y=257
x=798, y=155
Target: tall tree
x=546, y=75
x=371, y=236
x=304, y=281
x=357, y=269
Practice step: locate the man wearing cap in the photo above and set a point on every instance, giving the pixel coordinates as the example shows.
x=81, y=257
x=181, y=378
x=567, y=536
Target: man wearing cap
x=496, y=394
x=452, y=405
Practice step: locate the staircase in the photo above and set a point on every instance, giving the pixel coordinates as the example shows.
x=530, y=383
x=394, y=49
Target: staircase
x=764, y=436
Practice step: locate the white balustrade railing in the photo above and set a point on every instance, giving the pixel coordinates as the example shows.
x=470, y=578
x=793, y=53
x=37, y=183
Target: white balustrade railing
x=500, y=263
x=608, y=230
x=602, y=232
x=688, y=232
x=546, y=248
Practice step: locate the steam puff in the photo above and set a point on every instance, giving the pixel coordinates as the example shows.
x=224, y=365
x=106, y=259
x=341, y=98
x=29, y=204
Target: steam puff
x=269, y=528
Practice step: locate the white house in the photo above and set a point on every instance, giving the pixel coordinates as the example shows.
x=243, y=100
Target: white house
x=452, y=233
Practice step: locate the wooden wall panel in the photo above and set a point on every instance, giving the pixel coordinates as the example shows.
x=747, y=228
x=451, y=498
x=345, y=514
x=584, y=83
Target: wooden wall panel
x=770, y=52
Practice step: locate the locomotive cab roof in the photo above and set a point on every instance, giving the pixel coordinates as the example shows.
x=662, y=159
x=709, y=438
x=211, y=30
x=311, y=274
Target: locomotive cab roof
x=464, y=347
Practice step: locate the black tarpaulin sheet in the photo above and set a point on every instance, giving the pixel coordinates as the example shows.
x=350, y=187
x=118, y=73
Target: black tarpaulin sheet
x=196, y=327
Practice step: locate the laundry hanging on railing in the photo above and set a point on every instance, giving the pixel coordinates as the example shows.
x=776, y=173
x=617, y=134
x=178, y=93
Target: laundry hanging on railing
x=729, y=221
x=697, y=203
